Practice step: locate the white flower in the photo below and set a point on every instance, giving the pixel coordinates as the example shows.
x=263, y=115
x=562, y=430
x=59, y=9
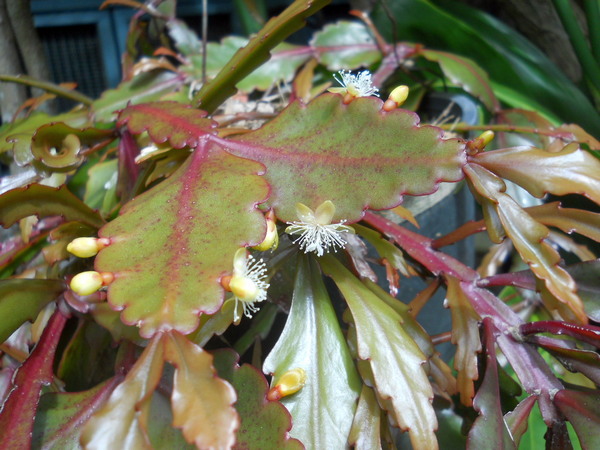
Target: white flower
x=317, y=233
x=248, y=283
x=359, y=85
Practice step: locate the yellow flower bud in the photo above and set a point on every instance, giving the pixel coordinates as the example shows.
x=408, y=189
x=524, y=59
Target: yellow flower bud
x=399, y=94
x=86, y=247
x=289, y=383
x=86, y=283
x=486, y=137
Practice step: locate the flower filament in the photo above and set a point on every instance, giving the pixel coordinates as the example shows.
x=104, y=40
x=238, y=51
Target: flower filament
x=317, y=233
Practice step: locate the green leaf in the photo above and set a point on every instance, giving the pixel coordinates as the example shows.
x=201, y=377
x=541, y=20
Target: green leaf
x=285, y=60
x=60, y=415
x=19, y=408
x=394, y=358
x=345, y=45
x=88, y=357
x=22, y=300
x=489, y=429
x=181, y=125
x=17, y=136
x=322, y=411
x=465, y=73
x=582, y=409
x=145, y=87
x=44, y=201
x=172, y=244
x=325, y=144
x=506, y=56
x=101, y=186
x=256, y=52
x=586, y=277
x=202, y=402
x=264, y=424
x=122, y=421
x=57, y=147
x=365, y=431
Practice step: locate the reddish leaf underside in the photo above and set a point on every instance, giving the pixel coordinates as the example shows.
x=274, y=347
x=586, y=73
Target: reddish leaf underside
x=582, y=409
x=489, y=429
x=179, y=124
x=18, y=410
x=172, y=244
x=355, y=155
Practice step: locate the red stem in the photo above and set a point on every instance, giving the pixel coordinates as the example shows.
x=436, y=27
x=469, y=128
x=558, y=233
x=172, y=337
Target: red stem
x=586, y=333
x=532, y=370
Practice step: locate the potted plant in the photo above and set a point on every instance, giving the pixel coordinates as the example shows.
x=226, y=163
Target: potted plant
x=171, y=220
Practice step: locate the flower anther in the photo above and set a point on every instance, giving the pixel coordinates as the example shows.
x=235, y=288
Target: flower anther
x=247, y=283
x=359, y=85
x=317, y=233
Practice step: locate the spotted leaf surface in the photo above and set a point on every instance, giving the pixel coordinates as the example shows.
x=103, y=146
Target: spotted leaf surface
x=355, y=155
x=179, y=124
x=171, y=245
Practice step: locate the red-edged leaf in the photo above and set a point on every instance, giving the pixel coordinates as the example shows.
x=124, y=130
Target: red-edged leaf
x=19, y=409
x=582, y=409
x=569, y=220
x=569, y=171
x=585, y=361
x=264, y=424
x=528, y=237
x=465, y=73
x=60, y=415
x=489, y=429
x=202, y=402
x=44, y=201
x=517, y=419
x=465, y=335
x=356, y=155
x=22, y=300
x=122, y=421
x=181, y=125
x=172, y=244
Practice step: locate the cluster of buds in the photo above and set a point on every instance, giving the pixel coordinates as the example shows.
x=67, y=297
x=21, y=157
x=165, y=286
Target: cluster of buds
x=86, y=283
